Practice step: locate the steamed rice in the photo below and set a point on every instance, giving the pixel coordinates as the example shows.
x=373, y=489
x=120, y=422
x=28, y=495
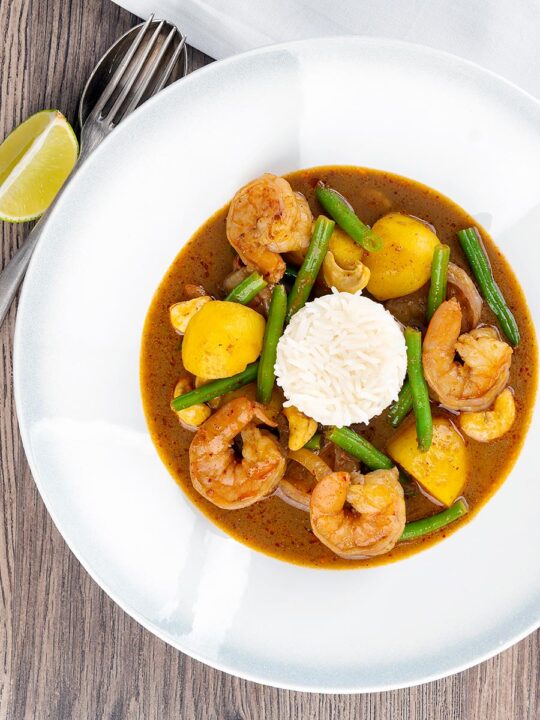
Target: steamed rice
x=341, y=360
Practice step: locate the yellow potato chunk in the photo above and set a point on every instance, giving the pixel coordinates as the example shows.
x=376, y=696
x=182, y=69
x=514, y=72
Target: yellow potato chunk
x=195, y=415
x=403, y=264
x=443, y=469
x=181, y=312
x=222, y=339
x=301, y=427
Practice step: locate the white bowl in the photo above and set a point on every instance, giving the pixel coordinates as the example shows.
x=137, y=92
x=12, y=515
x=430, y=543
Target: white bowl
x=402, y=108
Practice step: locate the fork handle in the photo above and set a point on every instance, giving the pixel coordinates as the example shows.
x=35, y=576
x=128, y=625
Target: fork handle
x=12, y=275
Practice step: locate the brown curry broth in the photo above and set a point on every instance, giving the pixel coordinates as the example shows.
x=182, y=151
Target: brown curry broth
x=272, y=526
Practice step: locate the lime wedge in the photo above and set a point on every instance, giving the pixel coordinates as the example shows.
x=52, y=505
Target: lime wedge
x=35, y=160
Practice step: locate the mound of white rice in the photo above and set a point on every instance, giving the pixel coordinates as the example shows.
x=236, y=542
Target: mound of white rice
x=341, y=360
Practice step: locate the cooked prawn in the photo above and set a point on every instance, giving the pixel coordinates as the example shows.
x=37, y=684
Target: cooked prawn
x=372, y=524
x=267, y=217
x=217, y=474
x=475, y=384
x=490, y=424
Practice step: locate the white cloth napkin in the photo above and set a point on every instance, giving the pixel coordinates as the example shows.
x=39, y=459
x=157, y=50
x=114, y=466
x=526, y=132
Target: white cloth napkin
x=501, y=35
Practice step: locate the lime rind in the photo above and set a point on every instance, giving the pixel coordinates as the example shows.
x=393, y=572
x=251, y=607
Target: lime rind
x=31, y=137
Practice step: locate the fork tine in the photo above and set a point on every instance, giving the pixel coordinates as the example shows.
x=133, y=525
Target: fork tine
x=128, y=87
x=150, y=72
x=120, y=70
x=172, y=62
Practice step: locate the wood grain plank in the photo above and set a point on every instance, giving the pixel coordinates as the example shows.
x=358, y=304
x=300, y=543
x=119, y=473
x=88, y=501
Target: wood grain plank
x=66, y=650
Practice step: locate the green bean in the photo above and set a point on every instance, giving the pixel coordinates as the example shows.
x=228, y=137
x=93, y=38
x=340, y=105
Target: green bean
x=320, y=239
x=478, y=260
x=246, y=290
x=215, y=388
x=274, y=328
x=419, y=389
x=338, y=207
x=402, y=407
x=439, y=278
x=419, y=528
x=314, y=443
x=360, y=448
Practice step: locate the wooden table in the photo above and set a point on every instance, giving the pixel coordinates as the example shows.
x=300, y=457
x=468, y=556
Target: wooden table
x=66, y=650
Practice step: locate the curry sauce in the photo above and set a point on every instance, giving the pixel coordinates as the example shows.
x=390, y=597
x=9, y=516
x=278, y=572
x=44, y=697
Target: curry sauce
x=272, y=526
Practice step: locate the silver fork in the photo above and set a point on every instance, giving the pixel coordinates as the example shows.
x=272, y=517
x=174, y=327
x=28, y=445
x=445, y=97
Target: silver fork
x=140, y=64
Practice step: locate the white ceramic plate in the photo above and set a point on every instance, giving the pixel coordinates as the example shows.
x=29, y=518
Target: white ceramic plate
x=380, y=104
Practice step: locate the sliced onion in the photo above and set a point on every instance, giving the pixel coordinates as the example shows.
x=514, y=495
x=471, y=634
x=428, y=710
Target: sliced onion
x=312, y=462
x=289, y=492
x=467, y=295
x=292, y=495
x=344, y=462
x=234, y=278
